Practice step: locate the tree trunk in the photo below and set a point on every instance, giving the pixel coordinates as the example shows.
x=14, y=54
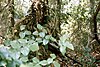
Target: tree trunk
x=11, y=9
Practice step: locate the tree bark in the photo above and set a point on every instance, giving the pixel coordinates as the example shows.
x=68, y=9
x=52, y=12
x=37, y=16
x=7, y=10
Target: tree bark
x=11, y=10
x=59, y=12
x=95, y=23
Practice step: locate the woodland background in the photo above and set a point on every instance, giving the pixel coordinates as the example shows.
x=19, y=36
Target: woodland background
x=49, y=33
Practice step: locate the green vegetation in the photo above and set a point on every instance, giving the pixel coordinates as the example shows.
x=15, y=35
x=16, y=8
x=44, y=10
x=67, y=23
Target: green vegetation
x=16, y=52
x=50, y=33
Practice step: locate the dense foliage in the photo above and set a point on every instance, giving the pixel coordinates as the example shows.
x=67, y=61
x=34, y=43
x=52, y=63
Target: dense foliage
x=41, y=33
x=17, y=52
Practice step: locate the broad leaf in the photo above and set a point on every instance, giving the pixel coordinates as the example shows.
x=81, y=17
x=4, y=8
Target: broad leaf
x=39, y=40
x=52, y=39
x=22, y=27
x=24, y=65
x=60, y=43
x=56, y=64
x=24, y=59
x=37, y=65
x=18, y=62
x=4, y=52
x=25, y=51
x=63, y=49
x=15, y=44
x=39, y=27
x=47, y=37
x=35, y=33
x=64, y=37
x=42, y=34
x=33, y=37
x=7, y=42
x=27, y=32
x=34, y=47
x=53, y=56
x=22, y=34
x=35, y=60
x=15, y=55
x=69, y=45
x=2, y=63
x=31, y=41
x=45, y=42
x=30, y=64
x=22, y=40
x=49, y=60
x=11, y=64
x=44, y=62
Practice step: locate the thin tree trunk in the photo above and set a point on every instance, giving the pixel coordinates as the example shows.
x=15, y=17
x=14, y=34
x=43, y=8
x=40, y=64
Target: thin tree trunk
x=59, y=12
x=11, y=15
x=11, y=9
x=95, y=23
x=91, y=12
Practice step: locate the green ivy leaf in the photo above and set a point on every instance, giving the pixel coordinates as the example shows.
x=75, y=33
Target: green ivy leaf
x=25, y=51
x=11, y=64
x=24, y=65
x=34, y=47
x=42, y=34
x=53, y=56
x=56, y=64
x=22, y=27
x=30, y=64
x=35, y=60
x=24, y=59
x=45, y=42
x=15, y=55
x=33, y=37
x=22, y=41
x=60, y=43
x=44, y=62
x=7, y=42
x=47, y=37
x=27, y=65
x=15, y=44
x=18, y=62
x=4, y=53
x=22, y=34
x=69, y=45
x=39, y=40
x=39, y=27
x=35, y=33
x=37, y=65
x=64, y=37
x=49, y=60
x=63, y=49
x=27, y=32
x=2, y=63
x=31, y=41
x=52, y=39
